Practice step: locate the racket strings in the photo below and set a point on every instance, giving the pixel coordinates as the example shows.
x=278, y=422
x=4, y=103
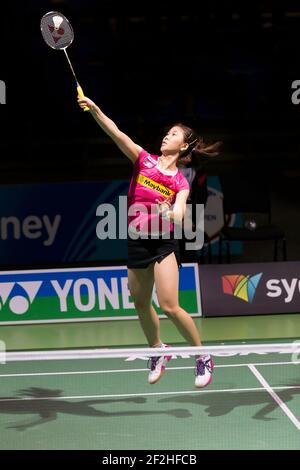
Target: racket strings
x=56, y=30
x=58, y=34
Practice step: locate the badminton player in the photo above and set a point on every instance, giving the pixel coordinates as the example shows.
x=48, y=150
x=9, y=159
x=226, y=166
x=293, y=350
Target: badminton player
x=157, y=181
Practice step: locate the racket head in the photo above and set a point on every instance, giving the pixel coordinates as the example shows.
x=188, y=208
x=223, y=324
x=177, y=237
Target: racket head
x=56, y=30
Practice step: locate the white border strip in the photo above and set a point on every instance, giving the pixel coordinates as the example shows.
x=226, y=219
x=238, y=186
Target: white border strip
x=274, y=395
x=82, y=320
x=67, y=270
x=292, y=348
x=62, y=270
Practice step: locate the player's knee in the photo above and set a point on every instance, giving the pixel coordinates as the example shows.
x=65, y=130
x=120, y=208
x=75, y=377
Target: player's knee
x=142, y=306
x=170, y=310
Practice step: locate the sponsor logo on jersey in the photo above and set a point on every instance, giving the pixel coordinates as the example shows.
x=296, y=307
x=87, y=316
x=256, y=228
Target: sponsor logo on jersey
x=151, y=184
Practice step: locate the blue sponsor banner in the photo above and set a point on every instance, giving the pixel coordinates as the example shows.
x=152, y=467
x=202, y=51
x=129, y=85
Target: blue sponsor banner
x=56, y=223
x=82, y=294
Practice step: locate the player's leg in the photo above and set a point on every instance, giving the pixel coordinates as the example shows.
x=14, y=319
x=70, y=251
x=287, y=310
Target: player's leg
x=140, y=283
x=166, y=277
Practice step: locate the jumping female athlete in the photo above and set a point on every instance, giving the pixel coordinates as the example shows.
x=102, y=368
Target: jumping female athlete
x=157, y=181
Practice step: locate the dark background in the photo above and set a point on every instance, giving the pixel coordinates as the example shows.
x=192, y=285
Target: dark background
x=223, y=67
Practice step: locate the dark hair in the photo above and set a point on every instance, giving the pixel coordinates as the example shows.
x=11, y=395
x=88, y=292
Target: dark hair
x=197, y=150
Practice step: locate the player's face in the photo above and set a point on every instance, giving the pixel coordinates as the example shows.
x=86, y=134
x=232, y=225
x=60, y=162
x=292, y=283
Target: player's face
x=173, y=142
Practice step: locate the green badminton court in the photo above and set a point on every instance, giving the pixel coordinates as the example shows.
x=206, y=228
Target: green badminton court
x=252, y=403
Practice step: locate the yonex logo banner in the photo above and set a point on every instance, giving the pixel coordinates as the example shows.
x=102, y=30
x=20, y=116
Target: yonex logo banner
x=81, y=294
x=250, y=289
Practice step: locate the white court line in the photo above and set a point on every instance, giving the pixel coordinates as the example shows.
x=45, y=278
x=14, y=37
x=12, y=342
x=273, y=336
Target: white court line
x=128, y=395
x=119, y=371
x=274, y=395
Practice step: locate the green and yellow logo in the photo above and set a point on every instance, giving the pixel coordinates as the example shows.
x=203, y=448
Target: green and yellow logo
x=149, y=183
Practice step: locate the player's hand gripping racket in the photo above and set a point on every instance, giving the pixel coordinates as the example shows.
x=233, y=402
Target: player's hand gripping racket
x=58, y=34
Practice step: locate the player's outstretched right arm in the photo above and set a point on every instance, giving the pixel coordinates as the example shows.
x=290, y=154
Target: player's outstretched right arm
x=125, y=144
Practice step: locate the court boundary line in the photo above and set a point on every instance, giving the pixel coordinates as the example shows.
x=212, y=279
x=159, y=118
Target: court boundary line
x=260, y=378
x=124, y=395
x=111, y=371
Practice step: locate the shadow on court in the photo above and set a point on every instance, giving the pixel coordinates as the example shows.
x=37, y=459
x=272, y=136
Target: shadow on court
x=222, y=403
x=46, y=404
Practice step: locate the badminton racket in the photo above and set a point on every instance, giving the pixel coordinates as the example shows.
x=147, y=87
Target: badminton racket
x=58, y=34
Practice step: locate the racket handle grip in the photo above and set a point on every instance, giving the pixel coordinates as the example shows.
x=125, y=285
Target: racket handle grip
x=81, y=95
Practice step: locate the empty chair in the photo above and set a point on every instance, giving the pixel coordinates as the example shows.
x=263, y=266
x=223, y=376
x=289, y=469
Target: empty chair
x=248, y=194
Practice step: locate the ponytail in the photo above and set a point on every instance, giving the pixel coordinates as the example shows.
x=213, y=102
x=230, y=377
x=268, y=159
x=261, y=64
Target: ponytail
x=198, y=151
x=201, y=148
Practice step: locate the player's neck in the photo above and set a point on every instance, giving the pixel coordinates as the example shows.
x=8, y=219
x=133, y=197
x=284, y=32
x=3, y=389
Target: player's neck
x=167, y=162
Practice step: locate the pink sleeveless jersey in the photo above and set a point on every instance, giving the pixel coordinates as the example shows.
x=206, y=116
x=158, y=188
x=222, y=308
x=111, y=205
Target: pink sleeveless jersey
x=148, y=183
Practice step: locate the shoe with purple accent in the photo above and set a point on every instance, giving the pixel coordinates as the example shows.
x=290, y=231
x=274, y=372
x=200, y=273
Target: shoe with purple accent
x=157, y=367
x=203, y=371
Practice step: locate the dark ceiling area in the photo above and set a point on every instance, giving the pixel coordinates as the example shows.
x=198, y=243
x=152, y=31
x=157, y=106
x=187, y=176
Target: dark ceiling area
x=224, y=68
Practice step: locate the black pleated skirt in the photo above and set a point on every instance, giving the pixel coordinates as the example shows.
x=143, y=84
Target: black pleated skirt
x=144, y=251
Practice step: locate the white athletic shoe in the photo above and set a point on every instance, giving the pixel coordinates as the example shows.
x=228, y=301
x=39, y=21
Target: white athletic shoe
x=157, y=367
x=203, y=371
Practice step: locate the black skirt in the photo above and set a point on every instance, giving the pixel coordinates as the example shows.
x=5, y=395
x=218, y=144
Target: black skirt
x=144, y=251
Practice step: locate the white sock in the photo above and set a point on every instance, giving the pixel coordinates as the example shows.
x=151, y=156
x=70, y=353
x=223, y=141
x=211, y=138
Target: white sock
x=205, y=357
